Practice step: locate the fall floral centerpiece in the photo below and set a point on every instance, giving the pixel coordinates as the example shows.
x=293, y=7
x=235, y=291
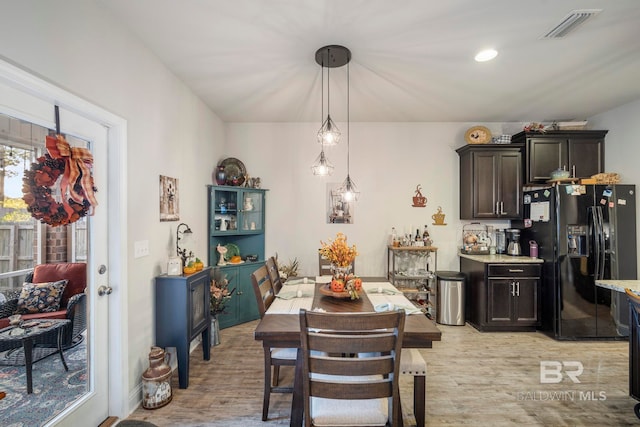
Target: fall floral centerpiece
x=220, y=293
x=341, y=256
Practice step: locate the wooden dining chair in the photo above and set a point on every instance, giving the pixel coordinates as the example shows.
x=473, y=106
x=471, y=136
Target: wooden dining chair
x=273, y=357
x=274, y=274
x=340, y=390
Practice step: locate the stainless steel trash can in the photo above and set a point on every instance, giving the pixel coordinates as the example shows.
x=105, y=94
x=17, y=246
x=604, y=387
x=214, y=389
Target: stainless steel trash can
x=450, y=298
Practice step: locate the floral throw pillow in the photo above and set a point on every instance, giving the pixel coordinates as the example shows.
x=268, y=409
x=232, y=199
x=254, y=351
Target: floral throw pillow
x=40, y=297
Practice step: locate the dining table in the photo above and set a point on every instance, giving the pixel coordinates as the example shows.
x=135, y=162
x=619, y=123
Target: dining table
x=280, y=326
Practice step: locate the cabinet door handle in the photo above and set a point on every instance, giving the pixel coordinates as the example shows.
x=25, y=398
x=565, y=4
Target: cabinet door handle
x=516, y=270
x=502, y=212
x=497, y=211
x=573, y=171
x=512, y=288
x=239, y=293
x=517, y=286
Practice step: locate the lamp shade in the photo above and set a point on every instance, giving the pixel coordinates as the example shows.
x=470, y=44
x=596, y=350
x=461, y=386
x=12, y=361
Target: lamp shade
x=322, y=166
x=329, y=134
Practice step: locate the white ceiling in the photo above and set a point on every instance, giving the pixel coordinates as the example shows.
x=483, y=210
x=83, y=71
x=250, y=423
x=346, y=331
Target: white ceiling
x=412, y=60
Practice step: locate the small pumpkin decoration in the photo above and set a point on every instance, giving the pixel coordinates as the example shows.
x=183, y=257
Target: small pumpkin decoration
x=337, y=285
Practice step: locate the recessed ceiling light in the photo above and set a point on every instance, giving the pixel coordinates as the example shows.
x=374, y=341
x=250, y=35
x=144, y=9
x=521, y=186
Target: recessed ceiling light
x=486, y=55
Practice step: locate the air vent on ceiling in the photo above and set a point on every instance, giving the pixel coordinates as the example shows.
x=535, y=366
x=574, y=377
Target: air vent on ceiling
x=571, y=22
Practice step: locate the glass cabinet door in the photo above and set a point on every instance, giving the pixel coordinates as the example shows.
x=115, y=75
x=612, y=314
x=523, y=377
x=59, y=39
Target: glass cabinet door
x=225, y=208
x=252, y=211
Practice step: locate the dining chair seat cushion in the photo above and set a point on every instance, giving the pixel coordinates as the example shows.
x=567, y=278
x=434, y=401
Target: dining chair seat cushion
x=412, y=362
x=350, y=412
x=355, y=412
x=284, y=353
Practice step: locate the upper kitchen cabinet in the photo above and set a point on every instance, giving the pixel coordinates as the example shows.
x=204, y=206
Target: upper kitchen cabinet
x=581, y=152
x=491, y=181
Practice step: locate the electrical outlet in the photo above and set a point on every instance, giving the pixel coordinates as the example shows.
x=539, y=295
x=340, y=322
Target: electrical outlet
x=141, y=248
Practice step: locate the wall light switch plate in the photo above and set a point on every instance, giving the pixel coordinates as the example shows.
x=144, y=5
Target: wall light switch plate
x=141, y=248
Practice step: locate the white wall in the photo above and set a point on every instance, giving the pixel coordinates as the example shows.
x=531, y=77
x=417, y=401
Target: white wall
x=78, y=46
x=388, y=161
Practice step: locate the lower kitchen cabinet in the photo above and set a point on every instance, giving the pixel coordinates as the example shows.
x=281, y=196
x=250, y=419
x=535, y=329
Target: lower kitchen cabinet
x=502, y=296
x=242, y=307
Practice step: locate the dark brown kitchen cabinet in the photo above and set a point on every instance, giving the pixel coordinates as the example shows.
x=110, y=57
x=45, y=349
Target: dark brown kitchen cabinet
x=502, y=296
x=579, y=152
x=491, y=181
x=512, y=301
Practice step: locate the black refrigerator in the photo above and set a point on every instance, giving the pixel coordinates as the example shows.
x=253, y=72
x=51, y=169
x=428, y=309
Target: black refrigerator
x=584, y=233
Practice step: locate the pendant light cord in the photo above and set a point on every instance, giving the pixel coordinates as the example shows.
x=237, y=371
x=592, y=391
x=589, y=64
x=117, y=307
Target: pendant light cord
x=328, y=84
x=348, y=120
x=322, y=102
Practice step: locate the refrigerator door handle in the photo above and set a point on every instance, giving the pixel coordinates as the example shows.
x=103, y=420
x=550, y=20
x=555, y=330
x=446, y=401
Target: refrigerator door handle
x=596, y=243
x=601, y=253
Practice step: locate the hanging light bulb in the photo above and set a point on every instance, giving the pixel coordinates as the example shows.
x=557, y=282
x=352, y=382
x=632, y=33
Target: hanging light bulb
x=322, y=166
x=329, y=134
x=349, y=191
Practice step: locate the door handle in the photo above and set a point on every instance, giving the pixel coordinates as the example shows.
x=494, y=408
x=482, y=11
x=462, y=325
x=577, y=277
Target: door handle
x=512, y=287
x=105, y=290
x=502, y=212
x=497, y=211
x=573, y=171
x=517, y=289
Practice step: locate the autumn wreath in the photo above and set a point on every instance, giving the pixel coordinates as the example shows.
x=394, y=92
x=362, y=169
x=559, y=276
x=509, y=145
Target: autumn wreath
x=63, y=171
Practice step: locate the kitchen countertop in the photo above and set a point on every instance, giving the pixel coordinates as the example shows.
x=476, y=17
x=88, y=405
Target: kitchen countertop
x=620, y=285
x=505, y=259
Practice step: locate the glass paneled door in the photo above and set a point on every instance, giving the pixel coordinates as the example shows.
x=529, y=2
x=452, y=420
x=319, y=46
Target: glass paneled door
x=31, y=110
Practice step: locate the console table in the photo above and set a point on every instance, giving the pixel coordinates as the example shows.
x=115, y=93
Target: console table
x=182, y=312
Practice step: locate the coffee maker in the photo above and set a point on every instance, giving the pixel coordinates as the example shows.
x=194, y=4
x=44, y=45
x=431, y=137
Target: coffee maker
x=513, y=242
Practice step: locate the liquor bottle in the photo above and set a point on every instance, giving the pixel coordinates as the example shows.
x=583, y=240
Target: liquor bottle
x=394, y=237
x=418, y=235
x=425, y=237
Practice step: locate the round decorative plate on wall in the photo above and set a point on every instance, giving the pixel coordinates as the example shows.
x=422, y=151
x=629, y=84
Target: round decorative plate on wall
x=478, y=135
x=234, y=171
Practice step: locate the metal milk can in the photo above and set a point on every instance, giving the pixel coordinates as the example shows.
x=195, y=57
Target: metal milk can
x=156, y=380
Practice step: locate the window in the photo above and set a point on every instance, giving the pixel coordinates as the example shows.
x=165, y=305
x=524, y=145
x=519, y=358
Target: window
x=25, y=242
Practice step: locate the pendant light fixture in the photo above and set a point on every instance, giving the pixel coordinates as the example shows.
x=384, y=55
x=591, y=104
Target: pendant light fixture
x=348, y=191
x=329, y=57
x=322, y=166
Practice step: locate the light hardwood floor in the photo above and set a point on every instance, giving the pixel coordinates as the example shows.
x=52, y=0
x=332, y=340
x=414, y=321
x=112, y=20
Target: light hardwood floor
x=473, y=378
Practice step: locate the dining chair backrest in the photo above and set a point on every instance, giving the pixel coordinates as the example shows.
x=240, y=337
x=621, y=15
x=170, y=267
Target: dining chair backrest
x=324, y=266
x=263, y=289
x=274, y=274
x=332, y=377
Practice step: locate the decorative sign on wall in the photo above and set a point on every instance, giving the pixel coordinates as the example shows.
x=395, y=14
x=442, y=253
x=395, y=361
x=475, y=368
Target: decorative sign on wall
x=169, y=200
x=419, y=201
x=339, y=211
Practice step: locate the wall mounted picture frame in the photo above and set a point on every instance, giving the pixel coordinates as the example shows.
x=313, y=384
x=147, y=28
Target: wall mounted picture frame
x=338, y=211
x=169, y=199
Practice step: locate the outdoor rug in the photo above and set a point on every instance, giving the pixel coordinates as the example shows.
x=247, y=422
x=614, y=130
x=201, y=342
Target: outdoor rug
x=54, y=389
